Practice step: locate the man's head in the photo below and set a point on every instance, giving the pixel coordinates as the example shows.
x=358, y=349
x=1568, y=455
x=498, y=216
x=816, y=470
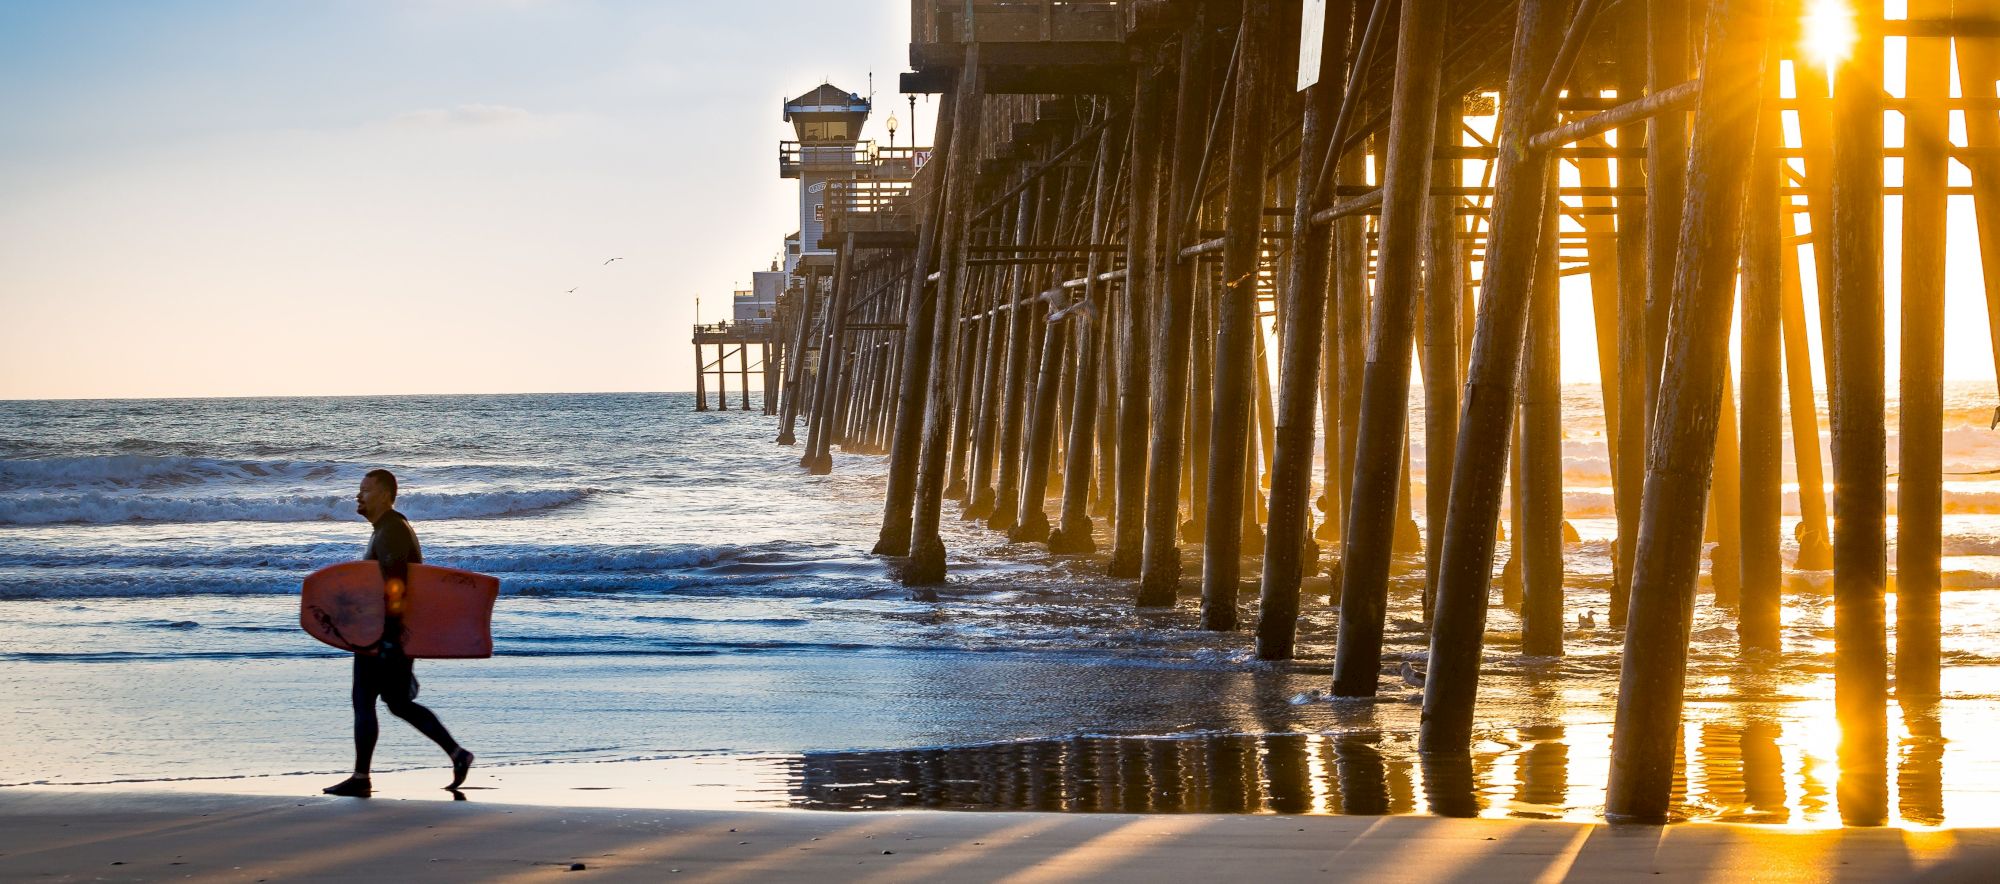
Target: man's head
x=377, y=494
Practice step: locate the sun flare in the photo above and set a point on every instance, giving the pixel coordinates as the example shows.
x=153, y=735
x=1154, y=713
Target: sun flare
x=1827, y=33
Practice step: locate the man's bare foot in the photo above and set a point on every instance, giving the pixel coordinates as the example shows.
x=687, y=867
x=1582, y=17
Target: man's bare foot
x=461, y=763
x=352, y=787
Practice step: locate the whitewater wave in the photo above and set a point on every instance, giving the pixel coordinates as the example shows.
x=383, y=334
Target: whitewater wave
x=123, y=471
x=108, y=508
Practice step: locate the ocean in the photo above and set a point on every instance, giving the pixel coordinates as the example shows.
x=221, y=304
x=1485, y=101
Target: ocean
x=676, y=590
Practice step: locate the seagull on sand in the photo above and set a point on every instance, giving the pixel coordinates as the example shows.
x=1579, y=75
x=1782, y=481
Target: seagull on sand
x=1586, y=620
x=1411, y=676
x=609, y=260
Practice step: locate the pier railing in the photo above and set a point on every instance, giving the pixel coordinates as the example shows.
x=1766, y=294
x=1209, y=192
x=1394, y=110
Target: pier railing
x=1017, y=21
x=795, y=157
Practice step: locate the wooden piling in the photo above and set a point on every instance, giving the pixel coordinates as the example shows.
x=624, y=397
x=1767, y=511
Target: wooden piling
x=1920, y=432
x=1444, y=293
x=989, y=386
x=700, y=381
x=1074, y=534
x=1022, y=338
x=1668, y=47
x=1538, y=548
x=1860, y=495
x=789, y=408
x=1160, y=558
x=1233, y=384
x=1373, y=512
x=831, y=350
x=920, y=321
x=1302, y=316
x=1815, y=550
x=1762, y=427
x=1142, y=261
x=1667, y=560
x=1466, y=565
x=927, y=554
x=1634, y=396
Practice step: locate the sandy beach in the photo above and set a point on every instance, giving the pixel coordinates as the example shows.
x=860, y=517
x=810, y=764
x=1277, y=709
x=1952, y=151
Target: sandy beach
x=133, y=836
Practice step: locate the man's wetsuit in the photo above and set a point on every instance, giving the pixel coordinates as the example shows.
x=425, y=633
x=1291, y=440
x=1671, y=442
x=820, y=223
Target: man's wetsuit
x=389, y=674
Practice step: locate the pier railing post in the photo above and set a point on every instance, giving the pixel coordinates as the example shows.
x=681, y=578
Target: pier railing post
x=1373, y=510
x=1667, y=559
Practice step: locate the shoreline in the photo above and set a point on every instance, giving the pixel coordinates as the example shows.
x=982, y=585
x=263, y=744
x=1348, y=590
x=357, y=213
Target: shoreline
x=132, y=836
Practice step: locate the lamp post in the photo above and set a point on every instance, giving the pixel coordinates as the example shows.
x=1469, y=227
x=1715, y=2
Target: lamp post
x=891, y=123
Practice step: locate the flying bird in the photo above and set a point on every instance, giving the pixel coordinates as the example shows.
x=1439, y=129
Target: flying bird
x=572, y=290
x=609, y=260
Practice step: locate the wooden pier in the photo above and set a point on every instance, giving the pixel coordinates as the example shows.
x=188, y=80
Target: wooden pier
x=1066, y=320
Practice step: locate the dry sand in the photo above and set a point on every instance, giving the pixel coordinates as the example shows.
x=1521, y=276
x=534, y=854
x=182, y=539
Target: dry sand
x=70, y=834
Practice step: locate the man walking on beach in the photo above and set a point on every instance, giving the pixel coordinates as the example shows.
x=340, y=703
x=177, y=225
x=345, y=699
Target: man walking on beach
x=389, y=673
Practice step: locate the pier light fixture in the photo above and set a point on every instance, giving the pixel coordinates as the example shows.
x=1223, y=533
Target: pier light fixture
x=891, y=124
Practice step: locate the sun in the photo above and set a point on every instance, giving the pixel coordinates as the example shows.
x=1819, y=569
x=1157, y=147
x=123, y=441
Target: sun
x=1827, y=32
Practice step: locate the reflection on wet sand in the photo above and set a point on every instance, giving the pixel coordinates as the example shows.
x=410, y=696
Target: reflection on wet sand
x=1734, y=769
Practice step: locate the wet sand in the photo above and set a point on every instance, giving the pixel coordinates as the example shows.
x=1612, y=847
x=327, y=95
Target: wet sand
x=137, y=836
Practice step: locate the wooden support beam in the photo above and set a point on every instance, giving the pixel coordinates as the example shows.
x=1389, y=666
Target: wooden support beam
x=1466, y=567
x=1373, y=512
x=1667, y=559
x=1160, y=559
x=1444, y=296
x=1672, y=98
x=1538, y=545
x=795, y=384
x=1142, y=268
x=1232, y=387
x=926, y=564
x=1023, y=334
x=700, y=381
x=1302, y=313
x=1761, y=429
x=1074, y=534
x=1634, y=397
x=832, y=352
x=1860, y=493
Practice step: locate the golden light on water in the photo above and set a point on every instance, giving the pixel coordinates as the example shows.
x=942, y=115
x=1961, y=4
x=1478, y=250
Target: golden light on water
x=1827, y=33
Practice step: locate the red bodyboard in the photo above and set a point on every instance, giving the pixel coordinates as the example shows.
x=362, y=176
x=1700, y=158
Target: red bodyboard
x=447, y=613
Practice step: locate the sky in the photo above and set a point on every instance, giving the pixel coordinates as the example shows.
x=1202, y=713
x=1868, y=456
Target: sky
x=376, y=197
x=357, y=197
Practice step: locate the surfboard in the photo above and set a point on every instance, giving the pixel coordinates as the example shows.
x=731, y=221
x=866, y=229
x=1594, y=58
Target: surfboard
x=447, y=613
x=342, y=605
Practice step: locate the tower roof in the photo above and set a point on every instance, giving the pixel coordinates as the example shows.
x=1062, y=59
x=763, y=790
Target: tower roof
x=826, y=99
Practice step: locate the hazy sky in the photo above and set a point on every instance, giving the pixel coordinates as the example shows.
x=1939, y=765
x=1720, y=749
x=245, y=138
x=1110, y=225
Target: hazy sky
x=245, y=198
x=242, y=198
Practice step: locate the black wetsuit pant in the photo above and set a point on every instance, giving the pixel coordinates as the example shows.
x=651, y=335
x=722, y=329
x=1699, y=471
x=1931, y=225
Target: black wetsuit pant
x=391, y=677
